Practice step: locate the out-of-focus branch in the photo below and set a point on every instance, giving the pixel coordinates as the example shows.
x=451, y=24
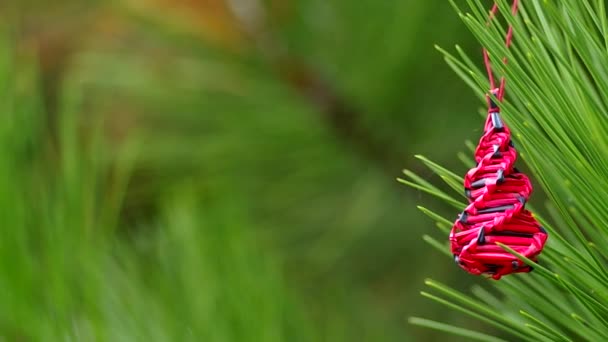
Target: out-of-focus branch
x=344, y=118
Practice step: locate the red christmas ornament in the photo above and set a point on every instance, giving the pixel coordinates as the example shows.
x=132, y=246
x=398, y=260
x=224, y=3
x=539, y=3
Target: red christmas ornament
x=497, y=194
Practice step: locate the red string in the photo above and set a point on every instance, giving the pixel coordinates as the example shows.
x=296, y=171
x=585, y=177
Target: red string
x=500, y=91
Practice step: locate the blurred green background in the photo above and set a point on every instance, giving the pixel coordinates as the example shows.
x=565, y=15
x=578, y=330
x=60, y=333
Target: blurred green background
x=243, y=185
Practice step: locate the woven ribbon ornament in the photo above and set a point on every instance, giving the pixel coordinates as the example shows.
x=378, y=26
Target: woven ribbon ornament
x=497, y=193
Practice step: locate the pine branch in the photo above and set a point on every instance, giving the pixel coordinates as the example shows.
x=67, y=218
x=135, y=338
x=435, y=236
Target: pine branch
x=556, y=103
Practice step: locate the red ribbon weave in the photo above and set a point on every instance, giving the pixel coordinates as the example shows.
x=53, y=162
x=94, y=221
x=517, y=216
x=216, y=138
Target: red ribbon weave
x=497, y=194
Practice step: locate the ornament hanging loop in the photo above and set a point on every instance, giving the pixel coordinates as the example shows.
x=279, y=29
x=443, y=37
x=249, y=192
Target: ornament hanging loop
x=498, y=91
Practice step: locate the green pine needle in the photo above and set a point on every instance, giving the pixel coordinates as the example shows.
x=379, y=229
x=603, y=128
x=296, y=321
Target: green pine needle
x=470, y=334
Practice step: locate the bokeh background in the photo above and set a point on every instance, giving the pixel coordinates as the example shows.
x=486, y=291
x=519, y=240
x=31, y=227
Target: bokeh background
x=287, y=121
